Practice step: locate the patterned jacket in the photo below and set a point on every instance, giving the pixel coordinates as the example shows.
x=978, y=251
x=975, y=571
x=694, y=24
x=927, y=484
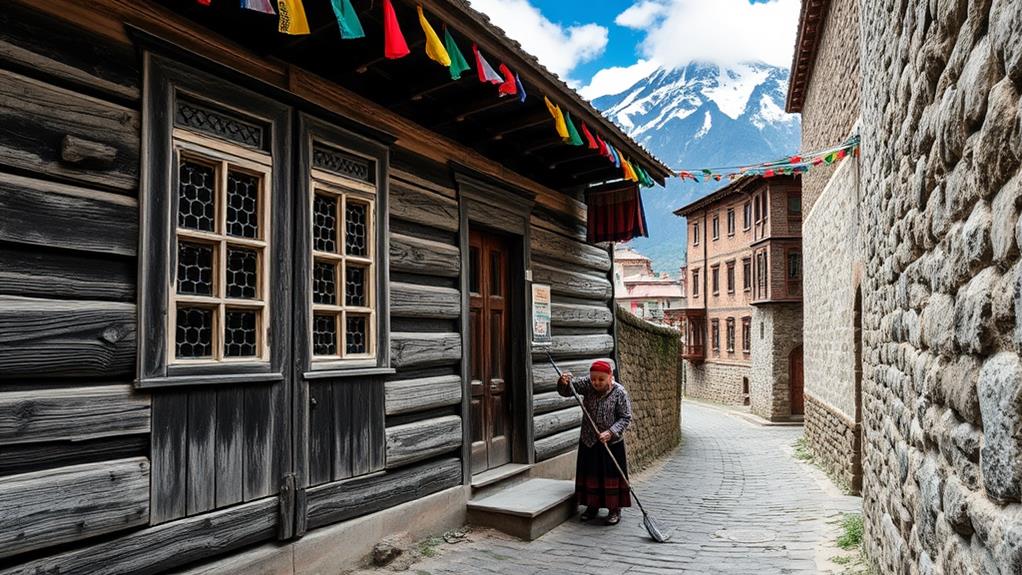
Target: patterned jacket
x=612, y=411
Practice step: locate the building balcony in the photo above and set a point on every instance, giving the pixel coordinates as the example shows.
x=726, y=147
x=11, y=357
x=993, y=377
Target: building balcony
x=694, y=347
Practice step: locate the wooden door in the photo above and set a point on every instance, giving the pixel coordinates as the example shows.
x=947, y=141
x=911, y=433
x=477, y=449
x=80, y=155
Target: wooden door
x=488, y=348
x=795, y=374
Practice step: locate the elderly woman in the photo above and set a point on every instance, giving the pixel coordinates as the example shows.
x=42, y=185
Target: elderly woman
x=598, y=485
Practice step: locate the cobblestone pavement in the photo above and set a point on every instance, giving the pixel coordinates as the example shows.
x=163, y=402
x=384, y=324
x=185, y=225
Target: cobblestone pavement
x=733, y=495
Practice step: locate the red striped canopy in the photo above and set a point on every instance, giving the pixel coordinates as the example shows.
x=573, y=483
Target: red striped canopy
x=615, y=213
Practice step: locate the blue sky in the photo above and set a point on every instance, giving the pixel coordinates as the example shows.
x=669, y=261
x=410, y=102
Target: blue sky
x=604, y=46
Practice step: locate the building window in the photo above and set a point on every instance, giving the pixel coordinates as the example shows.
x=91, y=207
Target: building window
x=730, y=335
x=794, y=205
x=761, y=275
x=794, y=265
x=730, y=222
x=715, y=279
x=695, y=283
x=747, y=215
x=715, y=334
x=746, y=334
x=716, y=227
x=343, y=267
x=695, y=234
x=747, y=273
x=219, y=303
x=731, y=277
x=757, y=207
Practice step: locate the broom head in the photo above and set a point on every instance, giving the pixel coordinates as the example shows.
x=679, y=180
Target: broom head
x=655, y=531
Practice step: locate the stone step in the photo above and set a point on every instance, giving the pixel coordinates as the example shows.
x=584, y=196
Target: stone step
x=499, y=478
x=526, y=510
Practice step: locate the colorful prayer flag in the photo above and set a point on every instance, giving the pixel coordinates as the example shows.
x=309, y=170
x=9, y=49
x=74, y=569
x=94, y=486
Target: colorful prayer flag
x=394, y=45
x=626, y=166
x=614, y=156
x=203, y=2
x=603, y=146
x=434, y=47
x=555, y=111
x=292, y=17
x=459, y=65
x=347, y=20
x=589, y=137
x=573, y=138
x=264, y=6
x=508, y=87
x=486, y=72
x=521, y=89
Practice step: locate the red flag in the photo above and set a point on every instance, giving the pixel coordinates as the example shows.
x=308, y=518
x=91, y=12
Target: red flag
x=509, y=87
x=841, y=154
x=204, y=2
x=603, y=146
x=768, y=174
x=795, y=160
x=589, y=137
x=394, y=45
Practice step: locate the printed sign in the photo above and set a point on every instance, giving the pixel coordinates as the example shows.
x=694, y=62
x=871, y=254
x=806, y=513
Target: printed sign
x=540, y=313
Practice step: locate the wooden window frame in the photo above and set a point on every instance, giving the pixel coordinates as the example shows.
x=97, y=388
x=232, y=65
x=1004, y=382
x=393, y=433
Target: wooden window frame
x=731, y=221
x=746, y=216
x=794, y=215
x=746, y=335
x=171, y=84
x=730, y=334
x=695, y=282
x=747, y=274
x=715, y=335
x=715, y=279
x=695, y=234
x=715, y=227
x=731, y=277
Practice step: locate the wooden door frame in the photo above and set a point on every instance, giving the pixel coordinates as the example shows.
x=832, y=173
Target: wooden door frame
x=488, y=204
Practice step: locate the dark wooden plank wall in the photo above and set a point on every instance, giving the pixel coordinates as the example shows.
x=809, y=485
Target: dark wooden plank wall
x=581, y=318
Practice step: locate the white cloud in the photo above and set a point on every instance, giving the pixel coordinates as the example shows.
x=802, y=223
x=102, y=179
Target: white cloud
x=558, y=48
x=617, y=79
x=721, y=31
x=640, y=15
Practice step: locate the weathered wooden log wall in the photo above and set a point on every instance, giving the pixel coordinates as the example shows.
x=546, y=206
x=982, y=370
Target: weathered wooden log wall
x=582, y=323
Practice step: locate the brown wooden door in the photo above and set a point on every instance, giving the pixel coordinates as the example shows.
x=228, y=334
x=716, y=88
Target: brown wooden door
x=488, y=306
x=795, y=374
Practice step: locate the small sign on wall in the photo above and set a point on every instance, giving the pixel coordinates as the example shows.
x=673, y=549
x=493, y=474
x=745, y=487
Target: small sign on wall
x=540, y=313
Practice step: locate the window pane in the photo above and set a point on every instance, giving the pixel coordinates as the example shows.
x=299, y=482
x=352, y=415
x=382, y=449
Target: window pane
x=495, y=271
x=242, y=273
x=324, y=334
x=196, y=196
x=356, y=229
x=242, y=205
x=356, y=335
x=473, y=269
x=355, y=286
x=324, y=283
x=194, y=269
x=794, y=204
x=324, y=223
x=240, y=333
x=194, y=338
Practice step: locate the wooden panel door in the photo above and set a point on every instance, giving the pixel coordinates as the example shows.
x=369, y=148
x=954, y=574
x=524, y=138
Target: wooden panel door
x=488, y=344
x=795, y=374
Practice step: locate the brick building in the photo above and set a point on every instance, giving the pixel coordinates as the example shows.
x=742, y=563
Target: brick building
x=743, y=333
x=654, y=297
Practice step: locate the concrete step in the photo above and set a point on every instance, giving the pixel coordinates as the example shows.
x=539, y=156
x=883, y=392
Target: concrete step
x=526, y=510
x=498, y=479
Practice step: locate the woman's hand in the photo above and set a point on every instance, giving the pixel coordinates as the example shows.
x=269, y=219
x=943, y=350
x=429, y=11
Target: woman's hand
x=606, y=436
x=565, y=379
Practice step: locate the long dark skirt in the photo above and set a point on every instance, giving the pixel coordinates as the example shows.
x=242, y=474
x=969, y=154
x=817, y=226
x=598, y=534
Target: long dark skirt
x=597, y=482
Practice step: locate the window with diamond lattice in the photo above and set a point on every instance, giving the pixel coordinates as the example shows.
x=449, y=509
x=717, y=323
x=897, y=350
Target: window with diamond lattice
x=343, y=267
x=219, y=294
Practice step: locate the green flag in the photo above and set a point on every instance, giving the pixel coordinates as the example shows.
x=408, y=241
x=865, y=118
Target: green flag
x=573, y=138
x=347, y=19
x=459, y=65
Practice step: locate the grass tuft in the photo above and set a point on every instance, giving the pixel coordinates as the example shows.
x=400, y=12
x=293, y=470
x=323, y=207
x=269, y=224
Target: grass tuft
x=851, y=532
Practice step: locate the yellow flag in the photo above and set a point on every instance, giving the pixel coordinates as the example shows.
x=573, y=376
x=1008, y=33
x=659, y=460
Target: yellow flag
x=292, y=17
x=434, y=47
x=555, y=111
x=629, y=171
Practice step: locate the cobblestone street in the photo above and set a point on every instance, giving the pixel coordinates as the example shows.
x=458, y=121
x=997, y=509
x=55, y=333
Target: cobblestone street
x=734, y=497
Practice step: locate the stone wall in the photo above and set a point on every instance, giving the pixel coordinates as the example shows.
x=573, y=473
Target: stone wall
x=717, y=382
x=777, y=331
x=649, y=369
x=831, y=103
x=943, y=286
x=835, y=442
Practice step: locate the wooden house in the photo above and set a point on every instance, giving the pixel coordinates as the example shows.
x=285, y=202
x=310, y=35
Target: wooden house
x=255, y=285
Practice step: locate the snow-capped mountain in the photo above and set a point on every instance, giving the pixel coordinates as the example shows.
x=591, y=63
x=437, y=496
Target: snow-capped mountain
x=702, y=115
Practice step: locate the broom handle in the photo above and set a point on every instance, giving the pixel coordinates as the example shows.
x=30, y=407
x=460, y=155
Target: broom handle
x=589, y=418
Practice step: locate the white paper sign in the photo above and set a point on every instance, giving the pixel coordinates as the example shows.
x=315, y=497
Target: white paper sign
x=540, y=313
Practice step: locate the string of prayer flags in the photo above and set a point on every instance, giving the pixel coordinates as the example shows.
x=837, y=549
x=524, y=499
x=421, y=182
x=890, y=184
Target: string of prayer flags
x=264, y=6
x=521, y=89
x=797, y=164
x=509, y=87
x=459, y=65
x=485, y=70
x=589, y=137
x=559, y=125
x=434, y=47
x=573, y=138
x=347, y=20
x=394, y=45
x=292, y=17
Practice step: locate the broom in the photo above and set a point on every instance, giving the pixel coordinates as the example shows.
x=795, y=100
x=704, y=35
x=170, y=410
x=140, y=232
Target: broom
x=655, y=531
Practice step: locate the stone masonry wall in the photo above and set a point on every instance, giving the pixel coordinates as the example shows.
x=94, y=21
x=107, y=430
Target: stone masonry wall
x=770, y=384
x=942, y=187
x=831, y=103
x=650, y=371
x=716, y=382
x=836, y=443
